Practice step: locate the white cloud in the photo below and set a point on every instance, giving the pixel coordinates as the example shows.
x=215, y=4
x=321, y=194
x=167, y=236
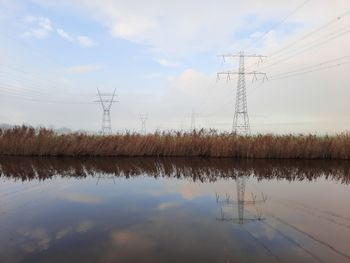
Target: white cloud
x=30, y=19
x=85, y=41
x=174, y=29
x=83, y=69
x=183, y=27
x=41, y=27
x=65, y=35
x=130, y=27
x=167, y=63
x=189, y=81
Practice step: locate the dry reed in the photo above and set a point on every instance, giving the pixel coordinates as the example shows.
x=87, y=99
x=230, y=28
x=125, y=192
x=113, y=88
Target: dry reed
x=27, y=141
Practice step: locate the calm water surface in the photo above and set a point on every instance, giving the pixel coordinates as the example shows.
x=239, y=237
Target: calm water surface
x=173, y=210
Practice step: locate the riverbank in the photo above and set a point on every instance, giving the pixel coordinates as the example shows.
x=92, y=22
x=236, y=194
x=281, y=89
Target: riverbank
x=26, y=141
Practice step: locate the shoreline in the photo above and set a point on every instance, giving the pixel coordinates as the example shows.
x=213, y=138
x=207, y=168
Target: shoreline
x=63, y=156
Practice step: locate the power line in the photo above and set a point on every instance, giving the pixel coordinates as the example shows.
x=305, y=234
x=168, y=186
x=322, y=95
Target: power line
x=329, y=23
x=37, y=52
x=315, y=41
x=310, y=236
x=18, y=96
x=20, y=92
x=306, y=49
x=277, y=24
x=24, y=75
x=309, y=67
x=310, y=71
x=34, y=85
x=338, y=18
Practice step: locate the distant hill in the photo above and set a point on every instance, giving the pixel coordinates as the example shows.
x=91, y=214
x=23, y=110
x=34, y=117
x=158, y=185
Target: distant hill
x=61, y=130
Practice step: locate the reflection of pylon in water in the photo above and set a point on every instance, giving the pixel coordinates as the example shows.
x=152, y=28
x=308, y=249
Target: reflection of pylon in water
x=240, y=203
x=104, y=177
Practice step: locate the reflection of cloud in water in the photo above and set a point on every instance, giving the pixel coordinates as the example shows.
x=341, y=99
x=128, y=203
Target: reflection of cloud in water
x=64, y=232
x=190, y=190
x=82, y=198
x=84, y=226
x=157, y=218
x=187, y=190
x=263, y=231
x=165, y=205
x=180, y=236
x=121, y=237
x=129, y=241
x=37, y=239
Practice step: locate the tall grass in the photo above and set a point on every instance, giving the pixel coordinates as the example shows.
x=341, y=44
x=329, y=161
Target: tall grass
x=26, y=141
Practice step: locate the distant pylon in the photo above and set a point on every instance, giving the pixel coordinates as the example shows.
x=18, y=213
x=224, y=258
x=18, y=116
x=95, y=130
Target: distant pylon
x=193, y=120
x=241, y=123
x=106, y=101
x=143, y=118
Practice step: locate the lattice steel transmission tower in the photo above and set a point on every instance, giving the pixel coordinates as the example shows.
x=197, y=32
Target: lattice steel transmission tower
x=143, y=118
x=193, y=120
x=106, y=100
x=241, y=123
x=105, y=177
x=240, y=203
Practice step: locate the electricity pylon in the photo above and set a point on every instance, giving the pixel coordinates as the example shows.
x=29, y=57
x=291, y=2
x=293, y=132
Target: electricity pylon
x=240, y=123
x=193, y=120
x=240, y=203
x=143, y=118
x=106, y=100
x=103, y=176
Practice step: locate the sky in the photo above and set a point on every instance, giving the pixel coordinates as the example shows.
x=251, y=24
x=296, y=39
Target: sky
x=161, y=56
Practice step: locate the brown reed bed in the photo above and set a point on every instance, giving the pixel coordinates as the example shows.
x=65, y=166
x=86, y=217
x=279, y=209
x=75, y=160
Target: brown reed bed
x=27, y=141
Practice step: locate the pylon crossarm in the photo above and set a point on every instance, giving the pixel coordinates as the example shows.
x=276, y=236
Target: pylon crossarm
x=223, y=219
x=106, y=94
x=235, y=203
x=106, y=101
x=237, y=220
x=240, y=73
x=239, y=54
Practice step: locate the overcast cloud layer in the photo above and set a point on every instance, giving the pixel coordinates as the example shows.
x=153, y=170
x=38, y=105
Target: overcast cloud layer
x=162, y=59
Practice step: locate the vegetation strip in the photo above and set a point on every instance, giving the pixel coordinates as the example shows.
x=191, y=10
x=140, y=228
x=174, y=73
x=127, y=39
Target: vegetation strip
x=27, y=141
